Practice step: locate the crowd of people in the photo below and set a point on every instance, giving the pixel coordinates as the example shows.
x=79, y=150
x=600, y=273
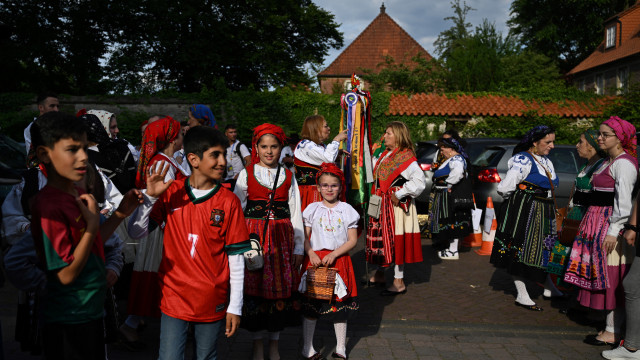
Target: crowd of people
x=232, y=236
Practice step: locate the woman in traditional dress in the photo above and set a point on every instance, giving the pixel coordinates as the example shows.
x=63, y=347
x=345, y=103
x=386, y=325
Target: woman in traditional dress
x=587, y=148
x=161, y=140
x=311, y=152
x=448, y=224
x=268, y=302
x=526, y=221
x=394, y=238
x=599, y=257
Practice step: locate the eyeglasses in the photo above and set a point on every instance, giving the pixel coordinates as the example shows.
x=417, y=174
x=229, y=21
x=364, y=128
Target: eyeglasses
x=605, y=135
x=327, y=186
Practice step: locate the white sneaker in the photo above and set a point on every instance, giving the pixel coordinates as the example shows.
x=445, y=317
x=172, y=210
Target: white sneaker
x=620, y=353
x=448, y=255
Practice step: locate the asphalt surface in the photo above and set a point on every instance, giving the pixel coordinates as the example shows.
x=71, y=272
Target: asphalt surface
x=460, y=309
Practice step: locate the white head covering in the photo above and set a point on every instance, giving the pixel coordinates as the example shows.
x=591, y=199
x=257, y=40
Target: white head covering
x=104, y=117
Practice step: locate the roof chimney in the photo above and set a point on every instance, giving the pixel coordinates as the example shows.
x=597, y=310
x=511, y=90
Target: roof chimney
x=382, y=8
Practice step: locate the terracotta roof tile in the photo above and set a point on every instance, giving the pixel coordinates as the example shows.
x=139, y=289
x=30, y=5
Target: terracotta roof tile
x=382, y=37
x=627, y=44
x=491, y=105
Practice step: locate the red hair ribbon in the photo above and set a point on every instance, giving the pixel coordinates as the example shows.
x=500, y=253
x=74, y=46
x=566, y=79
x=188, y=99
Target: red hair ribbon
x=262, y=130
x=331, y=168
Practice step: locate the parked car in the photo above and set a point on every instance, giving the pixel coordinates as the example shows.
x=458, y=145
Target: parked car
x=490, y=167
x=426, y=152
x=12, y=163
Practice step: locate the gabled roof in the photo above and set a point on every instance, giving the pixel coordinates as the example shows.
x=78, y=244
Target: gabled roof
x=490, y=105
x=627, y=41
x=381, y=38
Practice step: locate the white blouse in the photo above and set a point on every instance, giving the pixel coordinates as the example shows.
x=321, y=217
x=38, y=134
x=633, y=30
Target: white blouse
x=329, y=226
x=416, y=182
x=171, y=174
x=456, y=169
x=519, y=168
x=266, y=177
x=625, y=175
x=315, y=154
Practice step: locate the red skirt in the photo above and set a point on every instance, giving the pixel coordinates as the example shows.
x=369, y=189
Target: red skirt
x=345, y=270
x=277, y=278
x=308, y=194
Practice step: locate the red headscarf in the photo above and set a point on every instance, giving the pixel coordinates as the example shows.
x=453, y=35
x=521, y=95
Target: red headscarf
x=156, y=137
x=625, y=132
x=261, y=130
x=331, y=168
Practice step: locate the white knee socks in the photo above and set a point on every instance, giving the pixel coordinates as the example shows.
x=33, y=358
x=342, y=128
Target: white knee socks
x=550, y=288
x=615, y=318
x=523, y=296
x=341, y=337
x=453, y=246
x=398, y=272
x=308, y=328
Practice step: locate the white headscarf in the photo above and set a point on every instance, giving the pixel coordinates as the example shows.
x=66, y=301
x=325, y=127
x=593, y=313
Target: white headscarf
x=104, y=117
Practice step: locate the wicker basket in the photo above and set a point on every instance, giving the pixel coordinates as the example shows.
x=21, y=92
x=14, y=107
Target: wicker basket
x=320, y=282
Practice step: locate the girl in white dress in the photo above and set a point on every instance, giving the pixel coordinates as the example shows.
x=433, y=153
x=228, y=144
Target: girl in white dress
x=331, y=231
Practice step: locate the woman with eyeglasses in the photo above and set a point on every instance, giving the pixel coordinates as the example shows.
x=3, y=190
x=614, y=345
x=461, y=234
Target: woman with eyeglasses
x=394, y=237
x=526, y=220
x=599, y=257
x=311, y=152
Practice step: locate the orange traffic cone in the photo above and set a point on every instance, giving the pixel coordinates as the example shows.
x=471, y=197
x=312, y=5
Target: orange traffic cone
x=490, y=226
x=475, y=238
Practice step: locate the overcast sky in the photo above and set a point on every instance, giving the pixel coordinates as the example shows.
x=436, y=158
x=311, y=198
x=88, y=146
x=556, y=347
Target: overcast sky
x=422, y=19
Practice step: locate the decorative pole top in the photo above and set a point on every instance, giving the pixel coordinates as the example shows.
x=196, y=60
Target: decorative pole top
x=382, y=8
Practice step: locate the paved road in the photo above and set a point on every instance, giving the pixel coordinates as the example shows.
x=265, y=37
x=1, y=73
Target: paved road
x=453, y=310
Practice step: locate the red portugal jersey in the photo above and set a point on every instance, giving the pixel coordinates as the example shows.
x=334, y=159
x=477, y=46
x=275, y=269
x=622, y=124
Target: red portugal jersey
x=194, y=272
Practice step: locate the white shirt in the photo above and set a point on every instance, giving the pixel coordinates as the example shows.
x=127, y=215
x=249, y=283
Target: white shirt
x=184, y=165
x=235, y=163
x=519, y=169
x=171, y=174
x=266, y=177
x=456, y=169
x=625, y=175
x=315, y=154
x=416, y=182
x=286, y=151
x=329, y=226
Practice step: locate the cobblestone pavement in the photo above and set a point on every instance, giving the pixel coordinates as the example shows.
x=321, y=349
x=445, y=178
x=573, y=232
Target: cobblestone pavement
x=452, y=310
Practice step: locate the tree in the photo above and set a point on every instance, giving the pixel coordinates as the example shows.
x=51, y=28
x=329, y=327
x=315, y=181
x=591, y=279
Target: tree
x=565, y=31
x=424, y=76
x=448, y=39
x=52, y=45
x=189, y=44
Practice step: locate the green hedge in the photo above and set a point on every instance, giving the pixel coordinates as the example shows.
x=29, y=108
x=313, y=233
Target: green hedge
x=288, y=109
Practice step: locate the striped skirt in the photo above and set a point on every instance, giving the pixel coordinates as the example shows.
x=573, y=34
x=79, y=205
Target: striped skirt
x=525, y=235
x=445, y=223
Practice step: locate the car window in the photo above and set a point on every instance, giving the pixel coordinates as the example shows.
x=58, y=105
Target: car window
x=564, y=160
x=425, y=153
x=488, y=157
x=474, y=150
x=12, y=153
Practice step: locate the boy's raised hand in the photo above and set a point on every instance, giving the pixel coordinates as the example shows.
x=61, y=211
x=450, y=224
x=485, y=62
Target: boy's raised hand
x=90, y=212
x=155, y=180
x=130, y=202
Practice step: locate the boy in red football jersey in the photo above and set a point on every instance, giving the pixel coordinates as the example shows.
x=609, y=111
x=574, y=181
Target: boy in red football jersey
x=200, y=283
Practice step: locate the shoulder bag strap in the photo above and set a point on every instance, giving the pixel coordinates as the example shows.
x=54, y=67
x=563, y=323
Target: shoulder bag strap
x=273, y=195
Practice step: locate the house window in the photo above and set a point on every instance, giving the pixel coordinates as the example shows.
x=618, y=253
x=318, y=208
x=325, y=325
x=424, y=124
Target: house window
x=600, y=84
x=611, y=36
x=623, y=80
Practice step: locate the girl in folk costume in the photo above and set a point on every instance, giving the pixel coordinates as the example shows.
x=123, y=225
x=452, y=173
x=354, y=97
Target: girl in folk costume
x=311, y=152
x=161, y=139
x=268, y=303
x=395, y=236
x=448, y=224
x=600, y=258
x=331, y=231
x=526, y=221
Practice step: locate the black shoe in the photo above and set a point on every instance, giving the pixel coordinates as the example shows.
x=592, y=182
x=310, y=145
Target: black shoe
x=533, y=307
x=593, y=340
x=386, y=292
